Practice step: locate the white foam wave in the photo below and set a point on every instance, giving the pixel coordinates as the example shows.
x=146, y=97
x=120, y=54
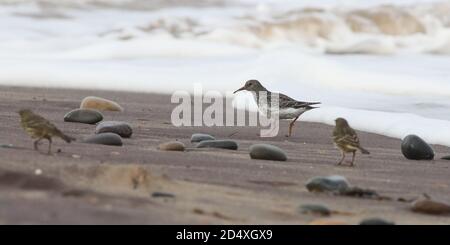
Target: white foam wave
x=352, y=29
x=396, y=125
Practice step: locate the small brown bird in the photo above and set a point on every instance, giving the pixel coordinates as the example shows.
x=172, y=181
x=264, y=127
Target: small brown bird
x=40, y=128
x=346, y=140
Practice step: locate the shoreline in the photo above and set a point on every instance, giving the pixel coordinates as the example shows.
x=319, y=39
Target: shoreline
x=209, y=186
x=396, y=125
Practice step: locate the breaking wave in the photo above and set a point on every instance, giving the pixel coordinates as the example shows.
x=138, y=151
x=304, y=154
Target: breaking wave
x=382, y=29
x=375, y=29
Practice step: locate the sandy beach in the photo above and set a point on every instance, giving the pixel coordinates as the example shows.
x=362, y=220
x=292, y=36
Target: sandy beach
x=95, y=184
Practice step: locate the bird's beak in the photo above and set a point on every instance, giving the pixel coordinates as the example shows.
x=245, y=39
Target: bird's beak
x=243, y=88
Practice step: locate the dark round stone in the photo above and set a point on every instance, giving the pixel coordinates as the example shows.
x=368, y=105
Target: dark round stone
x=6, y=146
x=105, y=139
x=83, y=116
x=121, y=128
x=446, y=158
x=162, y=195
x=333, y=183
x=267, y=152
x=314, y=209
x=223, y=144
x=375, y=221
x=415, y=148
x=201, y=137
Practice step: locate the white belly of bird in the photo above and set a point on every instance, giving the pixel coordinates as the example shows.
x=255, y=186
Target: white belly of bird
x=284, y=114
x=291, y=113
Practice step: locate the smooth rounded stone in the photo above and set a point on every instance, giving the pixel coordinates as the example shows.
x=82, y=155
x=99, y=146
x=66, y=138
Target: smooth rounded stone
x=415, y=148
x=446, y=158
x=267, y=152
x=121, y=128
x=428, y=206
x=223, y=144
x=201, y=137
x=375, y=221
x=101, y=104
x=334, y=183
x=75, y=156
x=162, y=195
x=314, y=209
x=105, y=139
x=83, y=116
x=6, y=146
x=172, y=146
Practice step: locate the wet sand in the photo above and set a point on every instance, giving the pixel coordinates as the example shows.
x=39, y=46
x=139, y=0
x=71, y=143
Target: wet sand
x=94, y=184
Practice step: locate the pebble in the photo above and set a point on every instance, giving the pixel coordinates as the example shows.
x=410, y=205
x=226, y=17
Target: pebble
x=83, y=116
x=446, y=158
x=162, y=195
x=314, y=209
x=105, y=139
x=121, y=128
x=223, y=144
x=101, y=104
x=415, y=148
x=6, y=146
x=38, y=171
x=75, y=156
x=201, y=137
x=375, y=221
x=267, y=152
x=429, y=206
x=334, y=183
x=172, y=146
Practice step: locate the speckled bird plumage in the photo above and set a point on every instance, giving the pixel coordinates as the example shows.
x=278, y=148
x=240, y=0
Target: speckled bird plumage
x=40, y=128
x=346, y=139
x=288, y=108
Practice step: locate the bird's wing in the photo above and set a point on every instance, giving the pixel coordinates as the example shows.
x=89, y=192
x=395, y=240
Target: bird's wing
x=286, y=101
x=39, y=122
x=349, y=137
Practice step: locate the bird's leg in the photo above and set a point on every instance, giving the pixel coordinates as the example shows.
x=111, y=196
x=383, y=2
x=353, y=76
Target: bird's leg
x=292, y=125
x=342, y=159
x=353, y=158
x=36, y=143
x=49, y=146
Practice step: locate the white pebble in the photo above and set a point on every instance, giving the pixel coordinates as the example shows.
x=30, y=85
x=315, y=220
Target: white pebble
x=76, y=156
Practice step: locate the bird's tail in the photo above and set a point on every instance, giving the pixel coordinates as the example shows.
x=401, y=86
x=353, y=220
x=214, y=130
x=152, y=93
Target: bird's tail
x=364, y=151
x=310, y=105
x=67, y=138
